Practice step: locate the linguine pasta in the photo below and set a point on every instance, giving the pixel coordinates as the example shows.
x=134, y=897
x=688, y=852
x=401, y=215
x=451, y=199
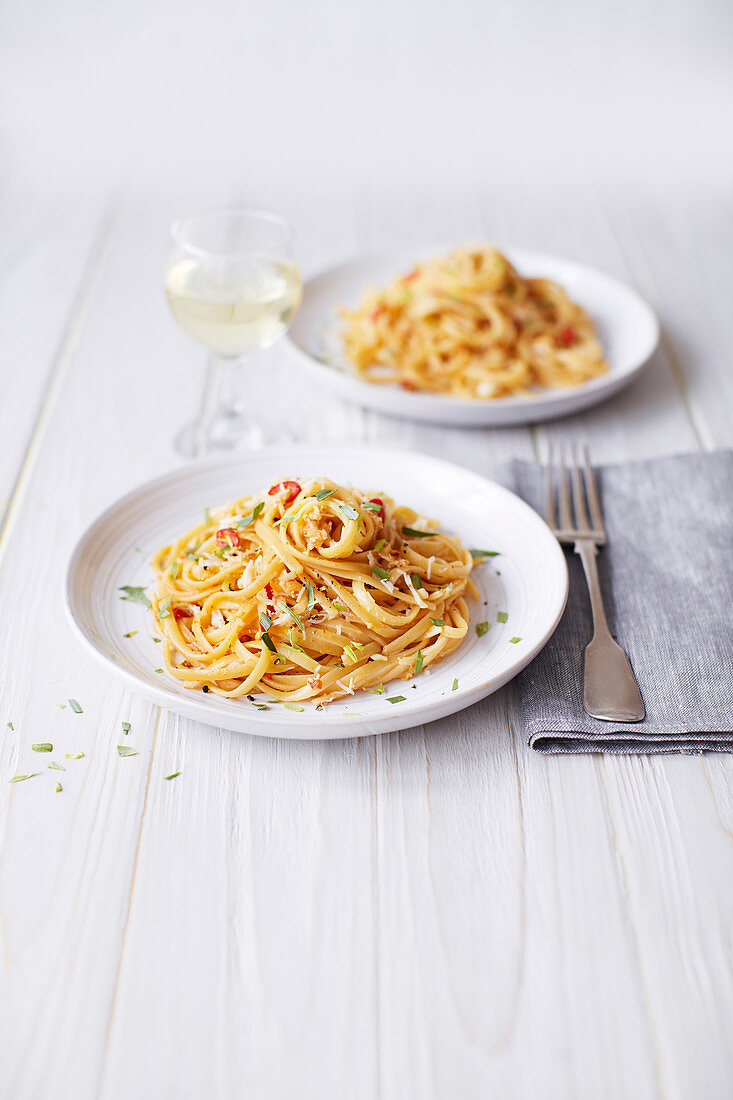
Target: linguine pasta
x=469, y=325
x=310, y=591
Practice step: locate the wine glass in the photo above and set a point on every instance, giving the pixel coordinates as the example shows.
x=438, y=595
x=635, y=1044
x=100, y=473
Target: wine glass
x=232, y=285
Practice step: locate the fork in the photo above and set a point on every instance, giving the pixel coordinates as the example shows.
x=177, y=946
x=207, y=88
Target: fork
x=610, y=692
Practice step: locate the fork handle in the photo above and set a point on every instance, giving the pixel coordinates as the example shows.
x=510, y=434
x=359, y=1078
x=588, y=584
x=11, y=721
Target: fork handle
x=611, y=692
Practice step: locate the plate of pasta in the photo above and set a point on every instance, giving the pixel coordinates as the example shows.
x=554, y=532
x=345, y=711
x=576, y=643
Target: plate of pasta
x=472, y=335
x=317, y=592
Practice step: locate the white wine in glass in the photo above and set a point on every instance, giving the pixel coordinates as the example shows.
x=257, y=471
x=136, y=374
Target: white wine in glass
x=232, y=285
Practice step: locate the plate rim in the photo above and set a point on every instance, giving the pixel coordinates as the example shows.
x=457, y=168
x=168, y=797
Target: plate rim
x=199, y=710
x=442, y=407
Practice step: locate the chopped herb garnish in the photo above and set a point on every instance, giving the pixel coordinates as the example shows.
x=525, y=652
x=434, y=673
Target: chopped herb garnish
x=174, y=570
x=377, y=571
x=269, y=642
x=371, y=506
x=284, y=607
x=158, y=669
x=501, y=616
x=252, y=515
x=265, y=621
x=59, y=787
x=418, y=662
x=207, y=517
x=125, y=750
x=75, y=706
x=437, y=622
x=396, y=698
x=412, y=533
x=377, y=690
x=126, y=727
x=339, y=606
x=323, y=493
x=311, y=598
x=172, y=775
x=43, y=746
x=57, y=767
x=293, y=706
x=73, y=756
x=515, y=640
x=163, y=610
x=481, y=629
x=129, y=634
x=379, y=544
x=135, y=595
x=455, y=686
x=416, y=580
x=20, y=778
x=484, y=553
x=349, y=511
x=350, y=654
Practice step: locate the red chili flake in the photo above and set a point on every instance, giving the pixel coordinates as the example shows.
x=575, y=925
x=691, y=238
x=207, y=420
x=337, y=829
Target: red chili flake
x=228, y=537
x=409, y=277
x=290, y=488
x=380, y=502
x=566, y=337
x=269, y=592
x=407, y=385
x=179, y=613
x=271, y=610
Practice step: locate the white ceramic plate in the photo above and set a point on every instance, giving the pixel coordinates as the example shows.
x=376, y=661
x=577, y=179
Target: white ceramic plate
x=528, y=580
x=626, y=325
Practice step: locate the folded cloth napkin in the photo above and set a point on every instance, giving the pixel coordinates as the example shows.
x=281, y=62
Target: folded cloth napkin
x=666, y=577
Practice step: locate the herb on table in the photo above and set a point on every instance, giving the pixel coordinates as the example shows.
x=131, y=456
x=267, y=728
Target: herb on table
x=396, y=699
x=481, y=629
x=455, y=686
x=129, y=634
x=43, y=746
x=172, y=775
x=57, y=767
x=75, y=706
x=501, y=616
x=125, y=750
x=382, y=574
x=135, y=595
x=515, y=640
x=20, y=778
x=59, y=788
x=11, y=726
x=126, y=727
x=418, y=662
x=73, y=756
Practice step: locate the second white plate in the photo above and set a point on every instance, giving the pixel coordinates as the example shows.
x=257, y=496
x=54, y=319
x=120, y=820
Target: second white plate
x=528, y=581
x=626, y=325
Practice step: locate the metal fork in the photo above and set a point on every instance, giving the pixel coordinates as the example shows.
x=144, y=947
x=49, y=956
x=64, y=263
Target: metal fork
x=611, y=692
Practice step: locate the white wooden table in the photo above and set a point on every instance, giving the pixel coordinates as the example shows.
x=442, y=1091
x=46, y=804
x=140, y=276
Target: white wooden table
x=437, y=913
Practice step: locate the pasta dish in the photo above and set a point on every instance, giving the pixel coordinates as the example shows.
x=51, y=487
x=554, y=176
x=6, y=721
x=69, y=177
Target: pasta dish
x=309, y=591
x=469, y=325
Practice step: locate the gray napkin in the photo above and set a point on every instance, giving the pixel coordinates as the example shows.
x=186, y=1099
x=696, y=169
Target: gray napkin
x=666, y=581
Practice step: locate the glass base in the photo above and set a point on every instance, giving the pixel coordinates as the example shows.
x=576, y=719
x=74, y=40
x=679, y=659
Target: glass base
x=229, y=433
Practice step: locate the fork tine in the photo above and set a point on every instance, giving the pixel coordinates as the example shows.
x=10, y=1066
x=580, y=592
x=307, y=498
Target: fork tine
x=566, y=521
x=581, y=515
x=590, y=486
x=549, y=499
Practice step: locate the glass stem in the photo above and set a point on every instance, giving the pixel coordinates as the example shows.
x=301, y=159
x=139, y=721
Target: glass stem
x=221, y=401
